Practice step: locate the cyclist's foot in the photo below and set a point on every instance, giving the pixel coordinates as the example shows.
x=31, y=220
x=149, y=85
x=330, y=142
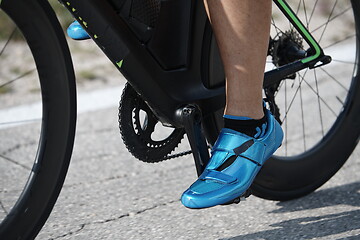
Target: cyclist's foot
x=76, y=32
x=236, y=160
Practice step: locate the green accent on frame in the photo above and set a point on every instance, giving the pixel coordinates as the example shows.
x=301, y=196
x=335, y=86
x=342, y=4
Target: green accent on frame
x=120, y=63
x=303, y=29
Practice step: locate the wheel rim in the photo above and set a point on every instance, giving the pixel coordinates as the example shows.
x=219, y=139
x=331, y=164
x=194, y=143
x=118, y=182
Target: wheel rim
x=291, y=174
x=311, y=103
x=20, y=115
x=294, y=172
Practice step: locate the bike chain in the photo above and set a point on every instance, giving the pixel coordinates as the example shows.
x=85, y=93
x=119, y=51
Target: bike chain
x=176, y=155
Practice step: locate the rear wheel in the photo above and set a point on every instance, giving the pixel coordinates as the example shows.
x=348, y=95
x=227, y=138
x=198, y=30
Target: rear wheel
x=37, y=115
x=318, y=108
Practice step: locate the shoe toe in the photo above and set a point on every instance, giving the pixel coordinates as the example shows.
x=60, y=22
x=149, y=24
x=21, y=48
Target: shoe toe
x=199, y=195
x=194, y=200
x=189, y=200
x=208, y=193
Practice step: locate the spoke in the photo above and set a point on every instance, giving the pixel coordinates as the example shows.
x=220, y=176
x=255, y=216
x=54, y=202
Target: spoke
x=326, y=23
x=3, y=208
x=298, y=8
x=17, y=78
x=337, y=42
x=313, y=10
x=14, y=162
x=340, y=101
x=303, y=119
x=302, y=78
x=277, y=29
x=305, y=12
x=273, y=23
x=333, y=78
x=317, y=93
x=332, y=11
x=312, y=89
x=322, y=100
x=287, y=108
x=342, y=61
x=279, y=88
x=8, y=41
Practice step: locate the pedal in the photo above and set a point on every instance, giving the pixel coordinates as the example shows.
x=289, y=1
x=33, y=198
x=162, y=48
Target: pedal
x=242, y=198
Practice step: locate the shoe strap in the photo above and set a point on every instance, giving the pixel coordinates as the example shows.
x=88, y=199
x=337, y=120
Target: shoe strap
x=234, y=143
x=217, y=176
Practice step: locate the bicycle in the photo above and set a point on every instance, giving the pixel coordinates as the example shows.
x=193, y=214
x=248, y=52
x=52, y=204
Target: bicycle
x=168, y=54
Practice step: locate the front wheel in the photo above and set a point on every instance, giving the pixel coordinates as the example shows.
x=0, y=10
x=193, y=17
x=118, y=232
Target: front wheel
x=37, y=115
x=318, y=108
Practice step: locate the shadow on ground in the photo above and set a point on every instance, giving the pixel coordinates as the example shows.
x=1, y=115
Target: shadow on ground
x=320, y=226
x=348, y=194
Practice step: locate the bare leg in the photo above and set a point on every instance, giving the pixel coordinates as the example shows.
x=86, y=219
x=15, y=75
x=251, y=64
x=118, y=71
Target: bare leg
x=242, y=32
x=242, y=29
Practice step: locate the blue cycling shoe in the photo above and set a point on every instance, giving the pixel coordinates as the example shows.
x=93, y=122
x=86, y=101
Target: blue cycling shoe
x=236, y=160
x=76, y=31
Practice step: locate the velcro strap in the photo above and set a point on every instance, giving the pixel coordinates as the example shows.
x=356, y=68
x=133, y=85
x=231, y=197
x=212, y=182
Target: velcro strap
x=255, y=153
x=217, y=176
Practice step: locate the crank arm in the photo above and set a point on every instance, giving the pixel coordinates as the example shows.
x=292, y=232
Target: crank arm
x=190, y=117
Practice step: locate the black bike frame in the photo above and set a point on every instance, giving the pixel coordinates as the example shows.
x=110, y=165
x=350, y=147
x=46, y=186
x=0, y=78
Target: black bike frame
x=174, y=64
x=168, y=70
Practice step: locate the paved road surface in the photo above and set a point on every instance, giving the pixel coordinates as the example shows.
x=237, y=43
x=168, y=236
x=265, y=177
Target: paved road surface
x=108, y=194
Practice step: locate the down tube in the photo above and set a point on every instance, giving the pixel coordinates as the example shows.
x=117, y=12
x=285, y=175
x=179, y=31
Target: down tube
x=111, y=33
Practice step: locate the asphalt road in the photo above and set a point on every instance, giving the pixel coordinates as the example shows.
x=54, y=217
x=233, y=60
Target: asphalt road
x=108, y=194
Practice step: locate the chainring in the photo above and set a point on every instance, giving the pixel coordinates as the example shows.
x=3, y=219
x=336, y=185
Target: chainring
x=138, y=124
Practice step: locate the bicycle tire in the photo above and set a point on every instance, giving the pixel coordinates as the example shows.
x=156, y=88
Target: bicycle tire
x=44, y=36
x=288, y=177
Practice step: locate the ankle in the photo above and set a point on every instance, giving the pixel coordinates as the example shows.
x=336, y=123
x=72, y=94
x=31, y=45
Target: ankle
x=252, y=127
x=253, y=112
